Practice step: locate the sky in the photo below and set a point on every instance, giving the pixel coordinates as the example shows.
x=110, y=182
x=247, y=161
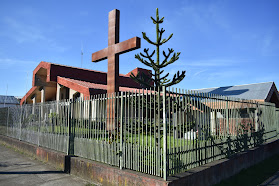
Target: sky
x=222, y=42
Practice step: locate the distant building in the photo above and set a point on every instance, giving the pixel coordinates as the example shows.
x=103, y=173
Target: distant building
x=262, y=92
x=8, y=101
x=52, y=82
x=229, y=115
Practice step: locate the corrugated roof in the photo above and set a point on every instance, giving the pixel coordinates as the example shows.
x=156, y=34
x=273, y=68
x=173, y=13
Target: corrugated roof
x=8, y=100
x=257, y=91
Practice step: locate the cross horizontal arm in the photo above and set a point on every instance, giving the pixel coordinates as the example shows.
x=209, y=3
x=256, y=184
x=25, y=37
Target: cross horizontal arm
x=126, y=46
x=100, y=55
x=119, y=48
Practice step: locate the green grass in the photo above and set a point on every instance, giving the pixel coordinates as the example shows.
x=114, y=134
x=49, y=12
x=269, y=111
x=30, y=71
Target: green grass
x=254, y=175
x=140, y=139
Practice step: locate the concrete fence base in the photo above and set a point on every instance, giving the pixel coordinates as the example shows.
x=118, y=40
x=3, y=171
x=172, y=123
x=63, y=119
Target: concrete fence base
x=208, y=174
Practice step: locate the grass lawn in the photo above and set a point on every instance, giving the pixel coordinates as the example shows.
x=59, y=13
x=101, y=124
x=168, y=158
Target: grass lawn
x=254, y=175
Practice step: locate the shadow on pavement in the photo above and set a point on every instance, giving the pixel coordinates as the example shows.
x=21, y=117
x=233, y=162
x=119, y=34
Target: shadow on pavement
x=32, y=172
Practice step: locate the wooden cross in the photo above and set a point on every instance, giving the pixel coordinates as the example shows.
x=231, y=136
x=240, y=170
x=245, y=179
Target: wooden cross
x=113, y=51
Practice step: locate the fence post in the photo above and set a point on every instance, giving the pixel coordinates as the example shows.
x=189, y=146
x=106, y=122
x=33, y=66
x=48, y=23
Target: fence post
x=8, y=121
x=39, y=125
x=70, y=129
x=165, y=167
x=20, y=122
x=256, y=118
x=227, y=117
x=121, y=132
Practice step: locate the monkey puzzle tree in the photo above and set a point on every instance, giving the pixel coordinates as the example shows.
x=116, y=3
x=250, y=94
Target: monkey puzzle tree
x=146, y=58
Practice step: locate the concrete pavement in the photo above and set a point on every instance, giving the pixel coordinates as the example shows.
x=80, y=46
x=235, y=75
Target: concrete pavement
x=18, y=169
x=273, y=180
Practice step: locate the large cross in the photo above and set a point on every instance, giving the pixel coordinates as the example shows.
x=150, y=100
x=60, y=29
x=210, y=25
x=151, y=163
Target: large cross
x=112, y=53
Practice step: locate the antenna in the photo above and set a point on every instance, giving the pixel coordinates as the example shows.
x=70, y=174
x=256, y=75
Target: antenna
x=81, y=54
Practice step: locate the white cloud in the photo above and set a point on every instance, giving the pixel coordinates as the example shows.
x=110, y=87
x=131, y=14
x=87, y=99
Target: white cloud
x=28, y=33
x=220, y=75
x=270, y=46
x=199, y=72
x=21, y=32
x=7, y=63
x=206, y=16
x=207, y=63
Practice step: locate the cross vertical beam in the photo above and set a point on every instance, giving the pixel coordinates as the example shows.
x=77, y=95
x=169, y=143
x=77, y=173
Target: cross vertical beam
x=112, y=53
x=113, y=58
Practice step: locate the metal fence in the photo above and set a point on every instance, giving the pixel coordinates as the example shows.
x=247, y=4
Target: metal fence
x=160, y=133
x=38, y=124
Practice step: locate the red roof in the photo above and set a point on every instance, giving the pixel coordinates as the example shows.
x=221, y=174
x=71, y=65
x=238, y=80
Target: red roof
x=85, y=81
x=93, y=76
x=88, y=88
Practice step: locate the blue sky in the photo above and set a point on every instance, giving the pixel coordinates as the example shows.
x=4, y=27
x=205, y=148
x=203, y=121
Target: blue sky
x=222, y=42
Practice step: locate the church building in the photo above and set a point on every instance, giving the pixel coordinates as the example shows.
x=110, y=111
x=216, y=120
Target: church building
x=52, y=82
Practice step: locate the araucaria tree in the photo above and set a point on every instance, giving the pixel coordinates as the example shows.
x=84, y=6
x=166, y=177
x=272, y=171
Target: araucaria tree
x=157, y=77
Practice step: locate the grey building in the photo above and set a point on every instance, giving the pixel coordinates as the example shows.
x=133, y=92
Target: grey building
x=8, y=101
x=265, y=92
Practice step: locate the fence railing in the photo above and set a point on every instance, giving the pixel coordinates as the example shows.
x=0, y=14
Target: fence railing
x=159, y=133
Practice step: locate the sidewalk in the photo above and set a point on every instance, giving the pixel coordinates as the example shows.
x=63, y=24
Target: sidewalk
x=17, y=169
x=273, y=180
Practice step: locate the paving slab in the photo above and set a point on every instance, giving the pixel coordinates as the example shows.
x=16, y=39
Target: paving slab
x=18, y=169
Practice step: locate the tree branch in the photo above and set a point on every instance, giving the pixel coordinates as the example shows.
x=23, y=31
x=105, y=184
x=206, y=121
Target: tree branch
x=164, y=76
x=165, y=40
x=172, y=60
x=142, y=81
x=176, y=79
x=147, y=39
x=166, y=57
x=142, y=60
